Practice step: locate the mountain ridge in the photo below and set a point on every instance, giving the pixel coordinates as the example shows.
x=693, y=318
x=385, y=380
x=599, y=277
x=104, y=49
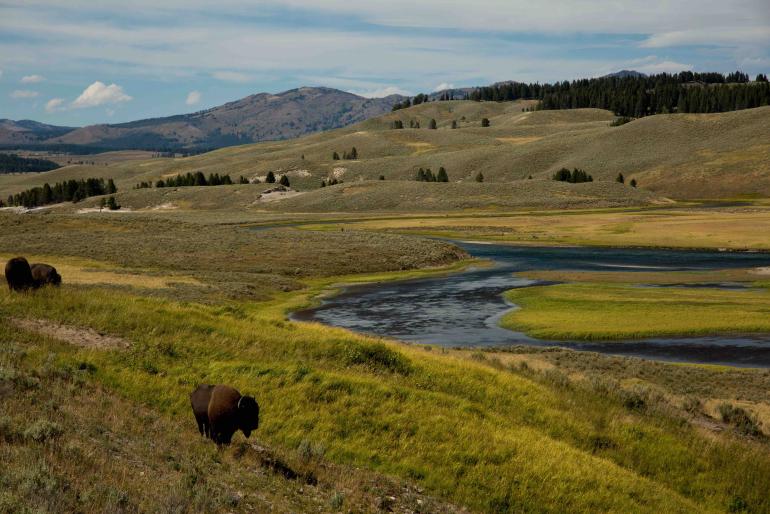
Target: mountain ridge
x=254, y=118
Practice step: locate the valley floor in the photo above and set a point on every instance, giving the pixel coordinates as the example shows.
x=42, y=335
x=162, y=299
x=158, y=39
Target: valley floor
x=361, y=423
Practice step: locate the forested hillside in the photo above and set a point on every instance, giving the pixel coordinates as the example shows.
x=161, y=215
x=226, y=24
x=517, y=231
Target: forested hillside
x=630, y=95
x=12, y=163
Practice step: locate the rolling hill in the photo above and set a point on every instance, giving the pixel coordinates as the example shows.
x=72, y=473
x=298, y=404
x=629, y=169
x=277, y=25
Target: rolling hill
x=255, y=118
x=681, y=156
x=26, y=132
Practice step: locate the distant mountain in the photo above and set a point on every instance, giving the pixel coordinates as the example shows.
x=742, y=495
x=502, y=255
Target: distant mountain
x=622, y=74
x=29, y=132
x=259, y=117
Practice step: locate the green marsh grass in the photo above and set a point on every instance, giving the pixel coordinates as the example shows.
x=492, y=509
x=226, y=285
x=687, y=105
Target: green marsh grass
x=595, y=311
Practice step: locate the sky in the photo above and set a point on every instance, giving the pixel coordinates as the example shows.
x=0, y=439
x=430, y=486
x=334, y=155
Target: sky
x=80, y=62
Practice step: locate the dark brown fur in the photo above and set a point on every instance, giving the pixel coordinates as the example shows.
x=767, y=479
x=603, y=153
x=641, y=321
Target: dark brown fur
x=44, y=274
x=18, y=274
x=228, y=412
x=200, y=406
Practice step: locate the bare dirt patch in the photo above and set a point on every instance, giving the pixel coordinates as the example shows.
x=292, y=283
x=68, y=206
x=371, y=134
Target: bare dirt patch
x=85, y=337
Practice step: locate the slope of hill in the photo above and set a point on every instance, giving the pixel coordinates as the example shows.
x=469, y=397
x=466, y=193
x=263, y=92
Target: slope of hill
x=673, y=155
x=258, y=117
x=28, y=132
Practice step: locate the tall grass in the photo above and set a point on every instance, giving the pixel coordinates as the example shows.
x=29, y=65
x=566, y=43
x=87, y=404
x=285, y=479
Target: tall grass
x=481, y=435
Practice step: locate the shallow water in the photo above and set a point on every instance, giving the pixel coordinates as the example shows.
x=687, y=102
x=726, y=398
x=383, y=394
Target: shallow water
x=463, y=309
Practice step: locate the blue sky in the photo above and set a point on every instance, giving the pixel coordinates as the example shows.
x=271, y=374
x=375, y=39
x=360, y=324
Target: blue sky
x=81, y=61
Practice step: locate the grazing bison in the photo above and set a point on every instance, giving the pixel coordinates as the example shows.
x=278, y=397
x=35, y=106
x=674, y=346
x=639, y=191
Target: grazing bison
x=226, y=412
x=18, y=274
x=44, y=274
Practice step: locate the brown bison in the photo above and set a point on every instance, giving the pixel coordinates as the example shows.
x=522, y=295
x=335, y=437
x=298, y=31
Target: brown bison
x=19, y=275
x=44, y=274
x=221, y=410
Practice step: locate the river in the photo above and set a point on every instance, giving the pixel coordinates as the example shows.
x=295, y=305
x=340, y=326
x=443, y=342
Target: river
x=463, y=309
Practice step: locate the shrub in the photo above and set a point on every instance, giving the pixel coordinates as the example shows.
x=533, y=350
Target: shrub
x=42, y=430
x=376, y=357
x=743, y=421
x=621, y=120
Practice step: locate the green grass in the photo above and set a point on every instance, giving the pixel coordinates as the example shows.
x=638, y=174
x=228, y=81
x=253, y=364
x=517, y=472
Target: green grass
x=485, y=437
x=594, y=311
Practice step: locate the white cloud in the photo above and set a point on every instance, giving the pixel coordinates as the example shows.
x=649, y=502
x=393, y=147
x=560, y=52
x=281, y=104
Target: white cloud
x=32, y=79
x=443, y=86
x=24, y=93
x=232, y=76
x=652, y=64
x=722, y=35
x=100, y=94
x=193, y=98
x=54, y=104
x=382, y=92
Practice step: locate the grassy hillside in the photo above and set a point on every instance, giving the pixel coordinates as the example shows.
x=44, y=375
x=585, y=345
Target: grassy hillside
x=679, y=156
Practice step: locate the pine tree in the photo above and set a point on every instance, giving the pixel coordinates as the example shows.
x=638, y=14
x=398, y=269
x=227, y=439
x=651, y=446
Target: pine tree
x=382, y=177
x=323, y=183
x=335, y=156
x=479, y=177
x=454, y=124
x=442, y=175
x=633, y=182
x=620, y=178
x=111, y=189
x=432, y=124
x=484, y=122
x=353, y=154
x=112, y=204
x=284, y=180
x=243, y=180
x=270, y=179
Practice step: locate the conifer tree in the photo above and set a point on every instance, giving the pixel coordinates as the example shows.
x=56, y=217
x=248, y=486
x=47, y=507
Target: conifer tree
x=270, y=179
x=432, y=124
x=620, y=178
x=111, y=189
x=442, y=175
x=284, y=180
x=484, y=122
x=479, y=177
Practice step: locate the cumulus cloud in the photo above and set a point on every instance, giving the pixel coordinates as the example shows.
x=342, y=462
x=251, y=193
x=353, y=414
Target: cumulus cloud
x=193, y=98
x=54, y=104
x=232, y=76
x=100, y=94
x=24, y=93
x=443, y=86
x=382, y=92
x=652, y=64
x=32, y=79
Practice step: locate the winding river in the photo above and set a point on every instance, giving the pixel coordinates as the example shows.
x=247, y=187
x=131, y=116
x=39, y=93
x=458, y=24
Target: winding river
x=463, y=309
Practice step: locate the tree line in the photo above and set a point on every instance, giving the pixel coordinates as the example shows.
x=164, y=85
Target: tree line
x=193, y=179
x=67, y=191
x=634, y=96
x=426, y=175
x=641, y=96
x=352, y=155
x=575, y=176
x=13, y=163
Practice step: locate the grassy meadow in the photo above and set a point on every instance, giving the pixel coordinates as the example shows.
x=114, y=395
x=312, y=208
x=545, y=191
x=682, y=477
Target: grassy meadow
x=358, y=419
x=593, y=311
x=446, y=422
x=683, y=156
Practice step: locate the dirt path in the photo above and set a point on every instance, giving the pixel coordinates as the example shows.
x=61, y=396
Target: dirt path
x=85, y=337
